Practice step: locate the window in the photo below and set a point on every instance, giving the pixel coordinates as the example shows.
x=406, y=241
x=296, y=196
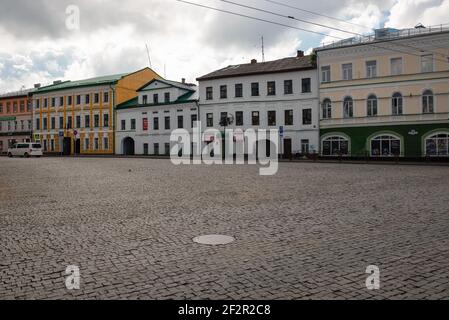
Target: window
x=78, y=121
x=78, y=99
x=239, y=118
x=22, y=106
x=106, y=120
x=288, y=117
x=155, y=98
x=38, y=103
x=22, y=125
x=45, y=124
x=144, y=99
x=371, y=69
x=96, y=120
x=396, y=104
x=335, y=146
x=325, y=74
x=239, y=90
x=87, y=99
x=209, y=93
x=69, y=122
x=123, y=125
x=255, y=118
x=193, y=119
x=180, y=122
x=1, y=107
x=145, y=149
x=327, y=109
x=106, y=97
x=133, y=124
x=306, y=85
x=61, y=101
x=87, y=121
x=224, y=119
x=427, y=63
x=61, y=122
x=167, y=123
x=53, y=123
x=385, y=146
x=271, y=88
x=96, y=144
x=156, y=148
x=347, y=71
x=255, y=89
x=38, y=124
x=271, y=118
x=53, y=102
x=156, y=123
x=438, y=145
x=167, y=97
x=45, y=104
x=69, y=100
x=96, y=98
x=29, y=106
x=348, y=108
x=307, y=117
x=396, y=66
x=52, y=145
x=288, y=86
x=210, y=119
x=427, y=101
x=105, y=143
x=223, y=92
x=371, y=106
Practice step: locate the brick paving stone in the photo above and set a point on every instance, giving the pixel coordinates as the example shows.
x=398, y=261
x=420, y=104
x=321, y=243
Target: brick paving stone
x=308, y=232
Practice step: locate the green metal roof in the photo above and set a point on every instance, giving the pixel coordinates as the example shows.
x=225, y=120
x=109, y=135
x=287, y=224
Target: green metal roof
x=105, y=80
x=134, y=103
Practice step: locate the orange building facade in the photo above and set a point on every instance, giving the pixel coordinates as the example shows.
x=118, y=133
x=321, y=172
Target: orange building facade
x=15, y=118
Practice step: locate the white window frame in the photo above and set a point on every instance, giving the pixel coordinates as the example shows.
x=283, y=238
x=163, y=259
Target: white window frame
x=423, y=65
x=433, y=136
x=346, y=71
x=369, y=69
x=428, y=102
x=401, y=66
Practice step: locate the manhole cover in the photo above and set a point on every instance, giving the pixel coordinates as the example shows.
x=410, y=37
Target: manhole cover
x=214, y=239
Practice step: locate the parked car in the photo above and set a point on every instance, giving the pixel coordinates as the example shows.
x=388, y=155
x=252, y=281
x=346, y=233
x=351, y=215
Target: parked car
x=25, y=149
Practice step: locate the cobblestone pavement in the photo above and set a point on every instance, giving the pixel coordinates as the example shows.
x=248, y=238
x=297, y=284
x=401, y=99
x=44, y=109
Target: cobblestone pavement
x=307, y=233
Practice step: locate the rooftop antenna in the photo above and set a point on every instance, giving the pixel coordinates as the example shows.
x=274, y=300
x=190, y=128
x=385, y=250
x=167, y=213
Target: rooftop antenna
x=149, y=58
x=263, y=51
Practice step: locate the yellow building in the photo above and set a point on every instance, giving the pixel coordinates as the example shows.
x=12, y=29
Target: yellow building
x=78, y=117
x=386, y=95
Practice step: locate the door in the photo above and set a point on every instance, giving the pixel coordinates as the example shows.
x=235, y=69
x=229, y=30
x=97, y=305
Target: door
x=145, y=149
x=67, y=146
x=128, y=146
x=77, y=146
x=287, y=148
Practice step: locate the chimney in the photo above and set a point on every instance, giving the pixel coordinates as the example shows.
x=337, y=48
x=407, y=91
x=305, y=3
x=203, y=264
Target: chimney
x=37, y=86
x=253, y=61
x=184, y=80
x=57, y=82
x=300, y=54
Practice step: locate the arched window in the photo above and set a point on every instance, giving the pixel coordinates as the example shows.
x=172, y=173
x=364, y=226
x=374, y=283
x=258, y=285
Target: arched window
x=427, y=101
x=438, y=145
x=327, y=109
x=385, y=146
x=335, y=146
x=396, y=104
x=348, y=108
x=371, y=106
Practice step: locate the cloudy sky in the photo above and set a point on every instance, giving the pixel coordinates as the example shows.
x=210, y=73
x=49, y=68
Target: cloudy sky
x=39, y=45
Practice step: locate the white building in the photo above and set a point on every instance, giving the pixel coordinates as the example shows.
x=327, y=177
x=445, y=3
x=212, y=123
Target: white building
x=144, y=124
x=281, y=94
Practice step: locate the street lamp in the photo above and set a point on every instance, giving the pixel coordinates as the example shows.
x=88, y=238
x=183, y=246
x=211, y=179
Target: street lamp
x=225, y=122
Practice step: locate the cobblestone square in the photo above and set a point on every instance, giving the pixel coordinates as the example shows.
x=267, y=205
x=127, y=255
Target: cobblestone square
x=308, y=232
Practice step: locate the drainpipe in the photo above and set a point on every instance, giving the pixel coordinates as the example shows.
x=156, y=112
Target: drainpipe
x=113, y=117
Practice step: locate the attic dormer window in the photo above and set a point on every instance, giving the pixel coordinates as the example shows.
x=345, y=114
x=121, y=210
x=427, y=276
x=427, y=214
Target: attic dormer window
x=145, y=99
x=156, y=98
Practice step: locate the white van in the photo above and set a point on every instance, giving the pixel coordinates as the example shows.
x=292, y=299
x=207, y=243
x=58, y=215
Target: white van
x=26, y=149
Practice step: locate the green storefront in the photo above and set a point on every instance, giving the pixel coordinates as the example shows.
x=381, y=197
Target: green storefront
x=408, y=141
